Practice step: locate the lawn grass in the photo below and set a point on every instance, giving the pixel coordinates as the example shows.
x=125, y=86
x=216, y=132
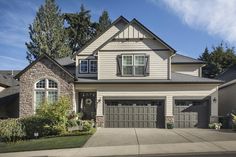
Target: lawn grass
x=45, y=143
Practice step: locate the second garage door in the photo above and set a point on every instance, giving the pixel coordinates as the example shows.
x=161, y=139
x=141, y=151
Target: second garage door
x=191, y=113
x=134, y=113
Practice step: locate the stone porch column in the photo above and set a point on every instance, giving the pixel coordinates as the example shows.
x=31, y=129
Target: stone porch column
x=169, y=118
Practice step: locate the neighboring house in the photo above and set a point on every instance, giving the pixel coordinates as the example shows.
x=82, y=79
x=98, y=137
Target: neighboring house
x=227, y=98
x=9, y=94
x=125, y=77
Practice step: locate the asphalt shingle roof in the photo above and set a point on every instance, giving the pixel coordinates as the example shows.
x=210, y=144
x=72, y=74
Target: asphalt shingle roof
x=175, y=78
x=6, y=77
x=181, y=59
x=228, y=75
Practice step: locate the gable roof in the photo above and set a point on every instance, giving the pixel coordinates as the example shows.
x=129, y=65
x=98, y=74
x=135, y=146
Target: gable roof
x=228, y=75
x=95, y=38
x=143, y=27
x=181, y=59
x=7, y=78
x=44, y=55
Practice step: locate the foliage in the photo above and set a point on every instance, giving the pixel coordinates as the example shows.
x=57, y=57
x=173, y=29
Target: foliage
x=218, y=60
x=37, y=124
x=87, y=125
x=104, y=22
x=80, y=28
x=215, y=126
x=11, y=130
x=57, y=112
x=170, y=125
x=47, y=33
x=234, y=121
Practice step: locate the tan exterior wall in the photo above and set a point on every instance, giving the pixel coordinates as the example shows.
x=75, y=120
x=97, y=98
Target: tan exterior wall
x=158, y=64
x=189, y=69
x=167, y=91
x=227, y=99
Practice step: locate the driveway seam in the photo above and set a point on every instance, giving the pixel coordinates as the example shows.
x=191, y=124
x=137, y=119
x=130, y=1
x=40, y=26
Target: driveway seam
x=137, y=141
x=206, y=140
x=183, y=136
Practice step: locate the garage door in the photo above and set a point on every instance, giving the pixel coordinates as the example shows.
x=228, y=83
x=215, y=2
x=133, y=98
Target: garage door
x=134, y=113
x=191, y=113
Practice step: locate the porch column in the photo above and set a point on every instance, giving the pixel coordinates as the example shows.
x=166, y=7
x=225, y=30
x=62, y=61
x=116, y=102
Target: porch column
x=214, y=106
x=169, y=118
x=99, y=111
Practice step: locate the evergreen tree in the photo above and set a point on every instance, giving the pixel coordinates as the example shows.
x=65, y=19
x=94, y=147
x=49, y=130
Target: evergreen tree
x=104, y=22
x=47, y=33
x=218, y=60
x=80, y=28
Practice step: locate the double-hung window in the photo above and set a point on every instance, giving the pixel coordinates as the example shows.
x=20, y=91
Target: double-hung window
x=133, y=65
x=83, y=66
x=93, y=66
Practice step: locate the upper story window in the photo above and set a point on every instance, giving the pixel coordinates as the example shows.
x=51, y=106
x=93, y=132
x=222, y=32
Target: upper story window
x=46, y=89
x=133, y=65
x=87, y=66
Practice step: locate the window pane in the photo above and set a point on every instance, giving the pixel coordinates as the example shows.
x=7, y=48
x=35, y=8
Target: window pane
x=52, y=84
x=127, y=70
x=52, y=96
x=139, y=70
x=127, y=60
x=41, y=84
x=83, y=66
x=139, y=60
x=40, y=97
x=93, y=66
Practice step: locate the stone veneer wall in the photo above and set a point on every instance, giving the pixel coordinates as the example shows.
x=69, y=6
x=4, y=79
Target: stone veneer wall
x=44, y=68
x=99, y=121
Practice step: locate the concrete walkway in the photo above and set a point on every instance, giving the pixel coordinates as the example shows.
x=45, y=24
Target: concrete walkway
x=114, y=142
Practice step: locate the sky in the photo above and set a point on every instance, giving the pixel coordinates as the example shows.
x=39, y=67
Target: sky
x=187, y=25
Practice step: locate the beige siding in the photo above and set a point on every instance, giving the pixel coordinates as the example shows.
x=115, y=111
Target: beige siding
x=189, y=69
x=227, y=99
x=133, y=45
x=153, y=90
x=103, y=38
x=108, y=64
x=133, y=31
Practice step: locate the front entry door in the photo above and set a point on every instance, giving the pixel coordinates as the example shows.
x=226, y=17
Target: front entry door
x=87, y=103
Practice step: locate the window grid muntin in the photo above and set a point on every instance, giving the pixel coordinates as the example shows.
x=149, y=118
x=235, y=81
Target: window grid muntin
x=134, y=66
x=93, y=66
x=41, y=84
x=46, y=91
x=83, y=66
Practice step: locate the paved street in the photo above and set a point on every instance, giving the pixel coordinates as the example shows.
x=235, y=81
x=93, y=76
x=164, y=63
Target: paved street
x=143, y=136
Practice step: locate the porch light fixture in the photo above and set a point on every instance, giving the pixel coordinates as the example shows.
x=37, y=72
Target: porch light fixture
x=36, y=134
x=214, y=100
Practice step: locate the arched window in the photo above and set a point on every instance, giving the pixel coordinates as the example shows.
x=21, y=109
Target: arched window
x=46, y=89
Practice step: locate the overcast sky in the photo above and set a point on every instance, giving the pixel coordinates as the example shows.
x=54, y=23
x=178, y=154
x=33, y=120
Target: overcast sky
x=187, y=25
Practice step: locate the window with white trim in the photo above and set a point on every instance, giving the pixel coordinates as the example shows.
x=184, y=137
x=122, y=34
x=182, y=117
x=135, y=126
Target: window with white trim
x=83, y=66
x=46, y=90
x=93, y=66
x=133, y=65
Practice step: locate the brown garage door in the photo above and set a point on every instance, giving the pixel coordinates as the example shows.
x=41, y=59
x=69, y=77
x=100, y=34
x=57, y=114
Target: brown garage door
x=134, y=113
x=191, y=113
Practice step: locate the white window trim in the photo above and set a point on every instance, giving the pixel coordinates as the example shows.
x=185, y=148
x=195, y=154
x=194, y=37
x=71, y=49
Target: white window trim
x=80, y=66
x=138, y=65
x=90, y=66
x=127, y=64
x=46, y=90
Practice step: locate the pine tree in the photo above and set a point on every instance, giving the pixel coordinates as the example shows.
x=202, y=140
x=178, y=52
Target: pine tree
x=80, y=28
x=104, y=22
x=47, y=33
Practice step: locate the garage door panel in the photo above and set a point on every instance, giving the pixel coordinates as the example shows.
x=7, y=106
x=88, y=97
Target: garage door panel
x=139, y=114
x=191, y=113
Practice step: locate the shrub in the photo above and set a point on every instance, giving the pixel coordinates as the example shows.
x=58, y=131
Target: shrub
x=11, y=130
x=42, y=125
x=87, y=125
x=234, y=121
x=170, y=125
x=57, y=112
x=215, y=126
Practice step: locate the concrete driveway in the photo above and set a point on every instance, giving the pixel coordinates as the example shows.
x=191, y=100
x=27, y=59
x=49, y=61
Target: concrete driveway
x=146, y=136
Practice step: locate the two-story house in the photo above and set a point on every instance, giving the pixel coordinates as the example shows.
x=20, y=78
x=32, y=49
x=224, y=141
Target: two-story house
x=125, y=77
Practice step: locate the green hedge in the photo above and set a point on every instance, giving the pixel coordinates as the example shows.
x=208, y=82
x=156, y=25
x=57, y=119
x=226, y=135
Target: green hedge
x=11, y=130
